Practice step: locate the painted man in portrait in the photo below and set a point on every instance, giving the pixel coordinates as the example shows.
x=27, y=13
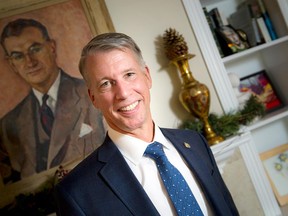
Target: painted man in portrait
x=56, y=122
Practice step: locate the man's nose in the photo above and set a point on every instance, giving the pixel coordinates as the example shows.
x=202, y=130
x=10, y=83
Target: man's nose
x=122, y=90
x=30, y=59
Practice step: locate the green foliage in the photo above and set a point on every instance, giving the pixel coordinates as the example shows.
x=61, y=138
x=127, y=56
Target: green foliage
x=229, y=124
x=252, y=109
x=226, y=125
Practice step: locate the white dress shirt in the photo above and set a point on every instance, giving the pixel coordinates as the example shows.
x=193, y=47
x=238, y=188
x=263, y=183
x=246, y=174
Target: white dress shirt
x=52, y=92
x=145, y=170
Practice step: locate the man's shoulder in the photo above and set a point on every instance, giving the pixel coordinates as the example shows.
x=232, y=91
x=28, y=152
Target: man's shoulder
x=178, y=131
x=68, y=78
x=73, y=83
x=15, y=112
x=184, y=135
x=83, y=169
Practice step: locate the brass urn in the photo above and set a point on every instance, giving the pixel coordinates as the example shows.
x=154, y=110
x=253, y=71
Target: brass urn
x=194, y=96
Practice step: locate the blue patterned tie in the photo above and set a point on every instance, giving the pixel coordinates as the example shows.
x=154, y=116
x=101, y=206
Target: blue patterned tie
x=46, y=115
x=176, y=186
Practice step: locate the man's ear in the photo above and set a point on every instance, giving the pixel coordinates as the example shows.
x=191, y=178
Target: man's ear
x=92, y=98
x=53, y=46
x=12, y=66
x=147, y=74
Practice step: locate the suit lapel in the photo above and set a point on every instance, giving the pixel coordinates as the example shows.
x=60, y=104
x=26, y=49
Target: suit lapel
x=123, y=182
x=66, y=116
x=202, y=168
x=191, y=155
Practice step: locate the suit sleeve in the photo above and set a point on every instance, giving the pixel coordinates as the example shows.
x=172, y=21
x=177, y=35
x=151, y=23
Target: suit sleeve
x=7, y=173
x=65, y=205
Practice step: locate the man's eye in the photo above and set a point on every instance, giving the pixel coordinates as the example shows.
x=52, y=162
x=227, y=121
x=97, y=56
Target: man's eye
x=17, y=56
x=130, y=74
x=35, y=49
x=105, y=84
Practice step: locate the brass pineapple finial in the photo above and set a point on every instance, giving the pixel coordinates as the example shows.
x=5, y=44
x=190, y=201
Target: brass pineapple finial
x=174, y=44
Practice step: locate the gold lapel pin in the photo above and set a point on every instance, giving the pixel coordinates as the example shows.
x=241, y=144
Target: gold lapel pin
x=187, y=145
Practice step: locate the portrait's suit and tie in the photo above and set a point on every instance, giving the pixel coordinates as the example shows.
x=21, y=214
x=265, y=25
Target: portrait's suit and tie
x=116, y=191
x=31, y=142
x=77, y=129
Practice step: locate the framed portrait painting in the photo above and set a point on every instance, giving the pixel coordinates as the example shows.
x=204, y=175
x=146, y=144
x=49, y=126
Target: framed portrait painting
x=70, y=24
x=261, y=86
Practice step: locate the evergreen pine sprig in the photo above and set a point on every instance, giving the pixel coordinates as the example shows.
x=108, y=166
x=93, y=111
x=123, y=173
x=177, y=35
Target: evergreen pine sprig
x=229, y=124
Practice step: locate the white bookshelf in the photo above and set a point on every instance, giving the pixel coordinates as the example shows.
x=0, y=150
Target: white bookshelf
x=272, y=130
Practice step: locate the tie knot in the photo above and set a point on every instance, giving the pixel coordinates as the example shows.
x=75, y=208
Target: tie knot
x=45, y=98
x=154, y=150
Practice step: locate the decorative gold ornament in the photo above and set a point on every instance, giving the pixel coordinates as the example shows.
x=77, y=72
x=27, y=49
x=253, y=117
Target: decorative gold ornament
x=194, y=96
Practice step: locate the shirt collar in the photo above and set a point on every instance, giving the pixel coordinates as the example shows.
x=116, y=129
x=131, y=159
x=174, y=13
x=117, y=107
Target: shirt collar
x=133, y=148
x=52, y=92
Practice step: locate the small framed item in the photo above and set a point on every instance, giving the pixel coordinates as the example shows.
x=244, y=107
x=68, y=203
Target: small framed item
x=260, y=85
x=275, y=163
x=232, y=40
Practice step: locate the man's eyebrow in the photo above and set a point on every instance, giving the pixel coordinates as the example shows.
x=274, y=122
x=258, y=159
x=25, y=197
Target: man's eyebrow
x=17, y=52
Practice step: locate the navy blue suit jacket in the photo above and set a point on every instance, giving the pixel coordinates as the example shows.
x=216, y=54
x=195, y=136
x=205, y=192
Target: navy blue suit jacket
x=103, y=183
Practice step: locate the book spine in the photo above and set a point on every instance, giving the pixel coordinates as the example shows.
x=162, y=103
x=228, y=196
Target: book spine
x=214, y=13
x=263, y=29
x=267, y=20
x=256, y=30
x=270, y=27
x=212, y=26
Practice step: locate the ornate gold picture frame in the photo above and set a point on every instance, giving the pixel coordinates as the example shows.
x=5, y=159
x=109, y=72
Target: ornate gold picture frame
x=92, y=19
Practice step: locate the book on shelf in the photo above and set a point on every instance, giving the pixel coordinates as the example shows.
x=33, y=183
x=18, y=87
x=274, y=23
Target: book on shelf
x=244, y=19
x=256, y=30
x=212, y=26
x=267, y=20
x=263, y=29
x=256, y=12
x=216, y=17
x=254, y=19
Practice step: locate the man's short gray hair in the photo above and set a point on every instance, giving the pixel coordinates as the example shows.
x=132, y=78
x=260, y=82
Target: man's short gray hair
x=107, y=42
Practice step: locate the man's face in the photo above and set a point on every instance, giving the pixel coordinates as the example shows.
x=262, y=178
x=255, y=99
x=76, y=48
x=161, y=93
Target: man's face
x=33, y=58
x=120, y=88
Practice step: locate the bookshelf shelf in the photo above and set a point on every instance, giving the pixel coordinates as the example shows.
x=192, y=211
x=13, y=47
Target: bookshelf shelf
x=270, y=118
x=253, y=50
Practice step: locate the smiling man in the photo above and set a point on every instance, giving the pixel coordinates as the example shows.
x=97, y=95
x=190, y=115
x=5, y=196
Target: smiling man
x=56, y=122
x=141, y=168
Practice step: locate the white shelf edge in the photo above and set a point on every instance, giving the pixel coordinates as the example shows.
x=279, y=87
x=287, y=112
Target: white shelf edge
x=208, y=2
x=224, y=150
x=269, y=118
x=254, y=50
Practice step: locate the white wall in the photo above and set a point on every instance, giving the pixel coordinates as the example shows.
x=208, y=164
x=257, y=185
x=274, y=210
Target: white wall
x=146, y=21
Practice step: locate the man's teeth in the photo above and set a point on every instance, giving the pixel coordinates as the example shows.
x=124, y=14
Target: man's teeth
x=130, y=107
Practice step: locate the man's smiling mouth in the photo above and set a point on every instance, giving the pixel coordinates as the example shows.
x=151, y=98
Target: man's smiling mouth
x=130, y=107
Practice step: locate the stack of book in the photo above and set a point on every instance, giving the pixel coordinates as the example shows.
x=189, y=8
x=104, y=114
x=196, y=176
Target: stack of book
x=251, y=17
